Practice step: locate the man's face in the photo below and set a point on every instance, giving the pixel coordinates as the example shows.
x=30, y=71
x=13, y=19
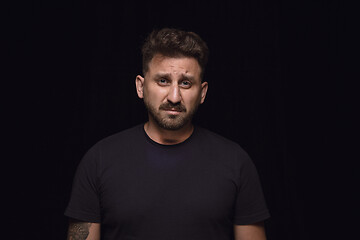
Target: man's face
x=172, y=91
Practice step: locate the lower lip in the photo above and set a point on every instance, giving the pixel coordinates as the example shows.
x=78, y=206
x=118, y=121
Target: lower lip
x=173, y=112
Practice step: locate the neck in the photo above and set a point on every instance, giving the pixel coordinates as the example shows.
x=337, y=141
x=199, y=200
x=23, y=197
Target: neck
x=168, y=137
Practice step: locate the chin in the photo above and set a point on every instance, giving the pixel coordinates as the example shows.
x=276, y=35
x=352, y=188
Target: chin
x=172, y=124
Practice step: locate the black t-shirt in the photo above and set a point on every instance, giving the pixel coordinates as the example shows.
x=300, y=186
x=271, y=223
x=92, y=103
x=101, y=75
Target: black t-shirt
x=139, y=189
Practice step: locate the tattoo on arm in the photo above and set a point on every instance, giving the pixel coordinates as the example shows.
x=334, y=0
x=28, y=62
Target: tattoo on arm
x=78, y=230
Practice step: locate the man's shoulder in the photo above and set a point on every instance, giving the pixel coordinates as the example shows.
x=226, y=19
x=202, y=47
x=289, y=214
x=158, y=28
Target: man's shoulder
x=216, y=140
x=221, y=148
x=122, y=138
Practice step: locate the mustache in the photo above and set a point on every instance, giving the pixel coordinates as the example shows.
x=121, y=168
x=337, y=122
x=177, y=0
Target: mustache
x=176, y=107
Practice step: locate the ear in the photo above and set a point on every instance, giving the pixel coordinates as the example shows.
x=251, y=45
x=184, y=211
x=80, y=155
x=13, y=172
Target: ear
x=204, y=88
x=139, y=82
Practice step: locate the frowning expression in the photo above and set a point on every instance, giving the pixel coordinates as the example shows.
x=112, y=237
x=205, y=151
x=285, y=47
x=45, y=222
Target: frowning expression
x=172, y=90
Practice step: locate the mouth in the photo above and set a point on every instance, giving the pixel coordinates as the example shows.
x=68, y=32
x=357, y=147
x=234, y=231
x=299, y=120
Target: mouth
x=173, y=111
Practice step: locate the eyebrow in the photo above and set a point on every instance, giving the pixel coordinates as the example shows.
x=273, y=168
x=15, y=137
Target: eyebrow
x=168, y=75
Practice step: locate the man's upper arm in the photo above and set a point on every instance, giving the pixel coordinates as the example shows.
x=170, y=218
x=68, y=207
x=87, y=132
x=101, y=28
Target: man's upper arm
x=250, y=232
x=79, y=230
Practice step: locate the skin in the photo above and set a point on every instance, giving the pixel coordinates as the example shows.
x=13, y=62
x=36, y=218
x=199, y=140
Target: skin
x=91, y=231
x=83, y=230
x=250, y=232
x=171, y=82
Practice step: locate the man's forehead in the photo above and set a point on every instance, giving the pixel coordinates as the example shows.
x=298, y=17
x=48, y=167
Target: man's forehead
x=160, y=58
x=187, y=66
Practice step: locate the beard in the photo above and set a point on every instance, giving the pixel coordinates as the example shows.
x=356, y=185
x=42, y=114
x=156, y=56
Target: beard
x=169, y=121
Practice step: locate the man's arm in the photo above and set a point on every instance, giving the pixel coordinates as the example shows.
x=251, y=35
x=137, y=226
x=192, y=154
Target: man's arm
x=83, y=230
x=250, y=232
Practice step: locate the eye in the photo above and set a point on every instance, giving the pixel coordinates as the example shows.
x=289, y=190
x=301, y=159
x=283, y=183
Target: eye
x=163, y=81
x=185, y=84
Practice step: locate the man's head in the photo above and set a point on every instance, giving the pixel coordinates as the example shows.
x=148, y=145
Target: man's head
x=172, y=86
x=174, y=43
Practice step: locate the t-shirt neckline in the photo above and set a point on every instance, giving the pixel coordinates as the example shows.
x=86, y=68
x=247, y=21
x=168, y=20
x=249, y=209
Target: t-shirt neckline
x=166, y=145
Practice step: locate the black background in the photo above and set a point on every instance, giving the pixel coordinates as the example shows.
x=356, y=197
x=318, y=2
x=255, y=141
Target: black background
x=279, y=76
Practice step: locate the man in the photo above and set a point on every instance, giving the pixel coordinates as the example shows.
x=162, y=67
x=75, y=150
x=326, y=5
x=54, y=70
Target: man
x=168, y=179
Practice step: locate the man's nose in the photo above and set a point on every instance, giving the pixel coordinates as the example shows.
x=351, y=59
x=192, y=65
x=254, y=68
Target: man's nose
x=174, y=95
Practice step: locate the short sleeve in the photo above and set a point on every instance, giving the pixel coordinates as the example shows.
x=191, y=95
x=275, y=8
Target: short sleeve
x=84, y=200
x=250, y=203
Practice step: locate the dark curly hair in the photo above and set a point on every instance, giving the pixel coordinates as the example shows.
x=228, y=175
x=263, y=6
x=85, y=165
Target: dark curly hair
x=172, y=42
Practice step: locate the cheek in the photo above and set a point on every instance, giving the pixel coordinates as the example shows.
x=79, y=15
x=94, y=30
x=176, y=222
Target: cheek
x=191, y=99
x=155, y=95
